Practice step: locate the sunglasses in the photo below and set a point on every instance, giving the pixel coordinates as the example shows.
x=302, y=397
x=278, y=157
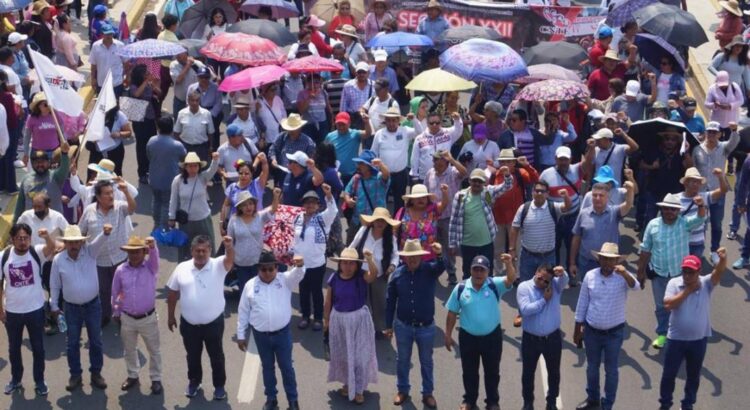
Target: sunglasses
x=540, y=191
x=434, y=122
x=545, y=281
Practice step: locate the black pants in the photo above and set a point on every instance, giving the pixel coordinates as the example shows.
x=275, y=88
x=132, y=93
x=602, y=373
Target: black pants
x=216, y=136
x=210, y=335
x=488, y=348
x=201, y=150
x=469, y=252
x=531, y=348
x=143, y=130
x=399, y=180
x=116, y=155
x=312, y=287
x=34, y=323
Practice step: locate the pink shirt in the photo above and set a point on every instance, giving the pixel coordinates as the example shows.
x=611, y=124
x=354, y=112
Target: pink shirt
x=134, y=289
x=43, y=132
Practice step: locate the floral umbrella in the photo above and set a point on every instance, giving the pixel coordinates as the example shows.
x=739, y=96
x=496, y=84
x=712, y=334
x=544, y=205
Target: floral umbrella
x=312, y=64
x=279, y=233
x=245, y=49
x=252, y=77
x=540, y=72
x=151, y=48
x=553, y=90
x=622, y=11
x=483, y=60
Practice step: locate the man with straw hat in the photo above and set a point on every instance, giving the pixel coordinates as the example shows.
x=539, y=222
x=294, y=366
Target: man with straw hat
x=133, y=305
x=694, y=184
x=611, y=67
x=41, y=179
x=74, y=272
x=600, y=323
x=410, y=314
x=480, y=336
x=435, y=23
x=289, y=142
x=665, y=242
x=266, y=307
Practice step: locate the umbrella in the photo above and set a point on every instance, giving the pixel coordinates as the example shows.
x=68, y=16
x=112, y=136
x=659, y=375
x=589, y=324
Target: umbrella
x=195, y=19
x=243, y=49
x=252, y=77
x=439, y=81
x=193, y=46
x=622, y=11
x=270, y=30
x=562, y=53
x=279, y=233
x=645, y=133
x=399, y=39
x=458, y=35
x=744, y=144
x=553, y=90
x=671, y=23
x=151, y=48
x=6, y=6
x=312, y=64
x=539, y=72
x=483, y=60
x=326, y=9
x=280, y=9
x=653, y=48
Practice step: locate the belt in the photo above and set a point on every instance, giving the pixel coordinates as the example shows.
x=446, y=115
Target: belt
x=273, y=333
x=542, y=338
x=90, y=302
x=538, y=254
x=418, y=324
x=136, y=317
x=605, y=331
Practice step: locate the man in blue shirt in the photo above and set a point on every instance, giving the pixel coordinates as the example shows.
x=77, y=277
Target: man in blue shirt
x=346, y=143
x=410, y=298
x=303, y=176
x=539, y=303
x=164, y=154
x=479, y=336
x=434, y=24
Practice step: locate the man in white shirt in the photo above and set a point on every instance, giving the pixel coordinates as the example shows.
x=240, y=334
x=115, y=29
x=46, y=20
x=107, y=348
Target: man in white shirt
x=199, y=285
x=183, y=71
x=266, y=307
x=379, y=104
x=193, y=126
x=24, y=301
x=432, y=140
x=40, y=216
x=105, y=57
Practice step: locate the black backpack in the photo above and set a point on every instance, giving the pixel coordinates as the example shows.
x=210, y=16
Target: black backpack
x=550, y=206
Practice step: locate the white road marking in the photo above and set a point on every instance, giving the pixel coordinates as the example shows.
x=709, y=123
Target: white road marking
x=250, y=373
x=543, y=367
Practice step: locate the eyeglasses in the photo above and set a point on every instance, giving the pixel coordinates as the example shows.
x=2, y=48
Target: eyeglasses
x=540, y=191
x=243, y=173
x=434, y=122
x=22, y=238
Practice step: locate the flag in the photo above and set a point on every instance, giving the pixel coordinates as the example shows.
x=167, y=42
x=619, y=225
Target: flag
x=105, y=102
x=60, y=93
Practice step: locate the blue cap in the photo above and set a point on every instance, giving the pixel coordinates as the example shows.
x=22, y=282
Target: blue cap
x=366, y=157
x=107, y=29
x=605, y=31
x=480, y=261
x=605, y=175
x=204, y=72
x=233, y=129
x=100, y=9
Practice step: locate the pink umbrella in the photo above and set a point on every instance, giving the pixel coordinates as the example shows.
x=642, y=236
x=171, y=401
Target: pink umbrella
x=279, y=233
x=241, y=48
x=252, y=77
x=553, y=90
x=312, y=64
x=539, y=72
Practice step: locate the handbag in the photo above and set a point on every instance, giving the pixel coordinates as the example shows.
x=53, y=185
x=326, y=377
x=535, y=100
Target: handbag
x=182, y=216
x=134, y=108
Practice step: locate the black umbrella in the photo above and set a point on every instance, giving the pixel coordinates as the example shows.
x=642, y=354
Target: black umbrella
x=646, y=133
x=457, y=35
x=195, y=18
x=562, y=53
x=671, y=23
x=269, y=30
x=193, y=46
x=744, y=145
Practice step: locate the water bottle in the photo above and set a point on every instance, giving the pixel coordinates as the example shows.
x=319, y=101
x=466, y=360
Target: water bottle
x=61, y=325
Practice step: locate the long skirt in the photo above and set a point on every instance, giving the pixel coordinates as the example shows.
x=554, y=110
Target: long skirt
x=352, y=341
x=193, y=229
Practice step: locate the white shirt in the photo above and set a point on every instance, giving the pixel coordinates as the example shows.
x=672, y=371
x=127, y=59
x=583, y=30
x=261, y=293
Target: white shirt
x=4, y=135
x=267, y=307
x=92, y=223
x=376, y=246
x=376, y=108
x=602, y=299
x=13, y=79
x=201, y=290
x=313, y=246
x=107, y=59
x=427, y=144
x=54, y=223
x=194, y=128
x=23, y=291
x=393, y=147
x=78, y=278
x=482, y=152
x=270, y=115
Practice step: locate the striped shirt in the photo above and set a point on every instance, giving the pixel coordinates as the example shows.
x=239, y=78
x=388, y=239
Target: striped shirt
x=334, y=87
x=456, y=225
x=668, y=244
x=524, y=141
x=352, y=97
x=601, y=302
x=697, y=235
x=535, y=234
x=556, y=183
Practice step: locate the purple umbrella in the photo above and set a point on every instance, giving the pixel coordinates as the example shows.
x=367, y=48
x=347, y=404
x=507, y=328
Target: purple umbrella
x=483, y=60
x=652, y=48
x=553, y=90
x=622, y=11
x=280, y=9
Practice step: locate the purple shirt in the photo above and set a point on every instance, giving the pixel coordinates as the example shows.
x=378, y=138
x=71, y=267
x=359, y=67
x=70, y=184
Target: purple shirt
x=134, y=288
x=350, y=294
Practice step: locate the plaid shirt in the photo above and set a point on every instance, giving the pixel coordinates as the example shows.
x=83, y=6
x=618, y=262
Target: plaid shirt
x=352, y=98
x=668, y=244
x=456, y=226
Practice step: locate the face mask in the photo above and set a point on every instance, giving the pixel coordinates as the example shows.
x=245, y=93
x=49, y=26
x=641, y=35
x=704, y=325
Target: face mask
x=41, y=214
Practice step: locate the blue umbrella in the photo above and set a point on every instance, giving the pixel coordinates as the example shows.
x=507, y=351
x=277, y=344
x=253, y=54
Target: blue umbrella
x=652, y=48
x=483, y=60
x=399, y=39
x=280, y=9
x=7, y=6
x=151, y=49
x=622, y=11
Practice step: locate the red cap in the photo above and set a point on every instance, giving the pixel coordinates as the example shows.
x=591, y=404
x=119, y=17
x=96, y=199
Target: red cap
x=344, y=117
x=691, y=262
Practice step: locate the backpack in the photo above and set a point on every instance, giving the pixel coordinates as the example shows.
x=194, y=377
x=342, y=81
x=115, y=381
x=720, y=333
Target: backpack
x=550, y=206
x=490, y=283
x=6, y=256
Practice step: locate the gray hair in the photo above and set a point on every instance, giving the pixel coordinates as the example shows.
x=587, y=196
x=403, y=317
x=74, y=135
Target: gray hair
x=194, y=94
x=495, y=107
x=200, y=240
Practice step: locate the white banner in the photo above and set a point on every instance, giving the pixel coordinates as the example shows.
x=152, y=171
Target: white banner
x=61, y=95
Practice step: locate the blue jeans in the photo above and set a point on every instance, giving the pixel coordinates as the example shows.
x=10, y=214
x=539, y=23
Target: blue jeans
x=716, y=215
x=658, y=288
x=697, y=249
x=529, y=263
x=34, y=324
x=564, y=235
x=675, y=351
x=609, y=345
x=244, y=274
x=272, y=348
x=76, y=316
x=160, y=207
x=746, y=240
x=734, y=225
x=406, y=336
x=177, y=106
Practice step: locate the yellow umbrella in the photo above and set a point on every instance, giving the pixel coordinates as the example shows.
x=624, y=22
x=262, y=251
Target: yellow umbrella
x=326, y=10
x=437, y=80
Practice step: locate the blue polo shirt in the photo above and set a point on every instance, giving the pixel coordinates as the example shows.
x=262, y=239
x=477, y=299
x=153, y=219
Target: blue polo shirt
x=347, y=148
x=479, y=310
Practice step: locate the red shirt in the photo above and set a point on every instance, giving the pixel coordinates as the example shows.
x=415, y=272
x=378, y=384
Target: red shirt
x=505, y=207
x=319, y=41
x=599, y=81
x=597, y=50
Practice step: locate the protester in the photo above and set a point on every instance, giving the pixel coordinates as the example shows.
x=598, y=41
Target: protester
x=41, y=179
x=366, y=190
x=694, y=183
x=194, y=126
x=434, y=138
x=342, y=18
x=145, y=87
x=184, y=72
x=435, y=23
x=608, y=152
x=303, y=177
x=376, y=19
x=211, y=100
x=164, y=154
x=356, y=92
x=105, y=59
x=237, y=148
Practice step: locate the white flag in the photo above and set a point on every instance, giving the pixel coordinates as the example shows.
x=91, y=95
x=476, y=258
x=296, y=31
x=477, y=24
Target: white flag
x=106, y=101
x=60, y=93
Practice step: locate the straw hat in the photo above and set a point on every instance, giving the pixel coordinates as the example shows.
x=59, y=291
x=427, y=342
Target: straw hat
x=243, y=197
x=413, y=247
x=348, y=254
x=379, y=213
x=609, y=250
x=192, y=158
x=419, y=191
x=57, y=153
x=433, y=4
x=478, y=174
x=135, y=242
x=692, y=173
x=609, y=55
x=731, y=6
x=293, y=122
x=38, y=97
x=105, y=169
x=348, y=30
x=40, y=5
x=507, y=154
x=73, y=233
x=670, y=201
x=393, y=112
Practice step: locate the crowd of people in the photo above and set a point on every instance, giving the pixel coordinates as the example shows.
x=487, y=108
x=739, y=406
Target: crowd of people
x=390, y=185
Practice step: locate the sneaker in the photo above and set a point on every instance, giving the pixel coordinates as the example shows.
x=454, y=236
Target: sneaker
x=41, y=389
x=271, y=405
x=714, y=258
x=192, y=390
x=740, y=263
x=732, y=236
x=303, y=324
x=220, y=394
x=659, y=342
x=12, y=386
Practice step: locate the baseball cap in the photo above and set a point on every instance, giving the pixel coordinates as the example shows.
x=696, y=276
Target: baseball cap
x=563, y=152
x=605, y=31
x=107, y=29
x=298, y=157
x=480, y=131
x=362, y=66
x=596, y=114
x=343, y=117
x=204, y=72
x=602, y=133
x=689, y=103
x=713, y=126
x=691, y=262
x=632, y=88
x=478, y=174
x=380, y=55
x=480, y=261
x=310, y=195
x=39, y=154
x=15, y=37
x=233, y=130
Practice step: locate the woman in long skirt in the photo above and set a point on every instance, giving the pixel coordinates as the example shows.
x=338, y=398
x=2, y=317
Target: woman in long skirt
x=349, y=324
